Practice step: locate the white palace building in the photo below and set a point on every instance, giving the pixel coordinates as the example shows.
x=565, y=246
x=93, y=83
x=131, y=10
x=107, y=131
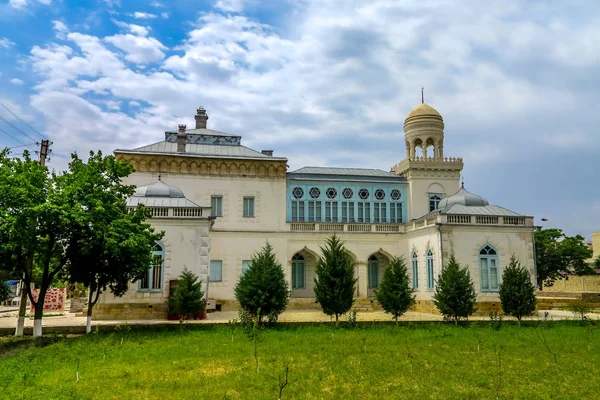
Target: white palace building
x=219, y=202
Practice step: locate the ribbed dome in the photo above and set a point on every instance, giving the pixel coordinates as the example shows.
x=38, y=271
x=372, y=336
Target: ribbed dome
x=463, y=197
x=158, y=189
x=423, y=110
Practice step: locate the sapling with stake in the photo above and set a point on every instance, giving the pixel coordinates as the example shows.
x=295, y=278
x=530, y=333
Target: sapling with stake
x=282, y=383
x=544, y=341
x=409, y=355
x=499, y=374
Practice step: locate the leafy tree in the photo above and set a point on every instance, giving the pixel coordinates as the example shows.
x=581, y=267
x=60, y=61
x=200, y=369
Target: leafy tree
x=517, y=293
x=395, y=293
x=188, y=296
x=263, y=290
x=556, y=252
x=334, y=281
x=35, y=225
x=109, y=245
x=455, y=293
x=4, y=292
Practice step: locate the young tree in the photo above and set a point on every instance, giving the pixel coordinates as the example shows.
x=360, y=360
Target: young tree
x=263, y=290
x=455, y=293
x=556, y=252
x=109, y=246
x=188, y=296
x=4, y=292
x=334, y=281
x=517, y=292
x=35, y=225
x=394, y=293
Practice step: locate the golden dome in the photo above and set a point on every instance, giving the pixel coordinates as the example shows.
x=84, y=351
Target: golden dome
x=423, y=110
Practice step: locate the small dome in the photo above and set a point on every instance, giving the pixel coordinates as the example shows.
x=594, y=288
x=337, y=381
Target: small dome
x=423, y=110
x=158, y=189
x=464, y=198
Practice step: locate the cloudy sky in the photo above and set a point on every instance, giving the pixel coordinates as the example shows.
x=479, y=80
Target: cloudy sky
x=324, y=83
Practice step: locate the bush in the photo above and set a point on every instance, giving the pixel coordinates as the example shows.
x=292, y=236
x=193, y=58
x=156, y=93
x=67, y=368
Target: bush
x=187, y=298
x=580, y=308
x=394, y=293
x=334, y=280
x=517, y=292
x=263, y=290
x=4, y=292
x=455, y=293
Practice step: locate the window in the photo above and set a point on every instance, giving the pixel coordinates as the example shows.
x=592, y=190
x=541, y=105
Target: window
x=434, y=200
x=216, y=203
x=298, y=192
x=297, y=211
x=430, y=281
x=395, y=194
x=379, y=194
x=331, y=193
x=315, y=193
x=363, y=194
x=314, y=211
x=153, y=278
x=298, y=272
x=347, y=193
x=331, y=211
x=379, y=214
x=248, y=207
x=216, y=271
x=348, y=211
x=415, y=271
x=488, y=267
x=396, y=213
x=364, y=212
x=373, y=272
x=245, y=266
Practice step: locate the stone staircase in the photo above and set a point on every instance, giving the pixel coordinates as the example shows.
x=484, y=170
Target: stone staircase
x=366, y=305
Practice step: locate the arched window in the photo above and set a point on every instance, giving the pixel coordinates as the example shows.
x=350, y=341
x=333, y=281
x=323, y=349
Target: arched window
x=430, y=281
x=298, y=272
x=434, y=201
x=488, y=268
x=153, y=278
x=415, y=271
x=373, y=272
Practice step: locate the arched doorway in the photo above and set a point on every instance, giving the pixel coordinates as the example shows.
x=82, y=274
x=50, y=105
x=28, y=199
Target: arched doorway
x=302, y=274
x=376, y=265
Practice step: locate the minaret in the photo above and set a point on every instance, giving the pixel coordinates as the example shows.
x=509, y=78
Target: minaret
x=430, y=173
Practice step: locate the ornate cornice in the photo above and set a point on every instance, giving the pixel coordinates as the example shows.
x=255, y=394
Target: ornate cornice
x=205, y=166
x=420, y=166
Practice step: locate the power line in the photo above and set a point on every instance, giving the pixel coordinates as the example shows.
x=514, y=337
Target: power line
x=31, y=127
x=14, y=138
x=9, y=123
x=23, y=145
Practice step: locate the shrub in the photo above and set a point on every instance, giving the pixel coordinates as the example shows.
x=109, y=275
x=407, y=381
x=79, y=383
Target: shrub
x=263, y=290
x=517, y=292
x=187, y=298
x=4, y=292
x=394, y=293
x=455, y=293
x=334, y=280
x=580, y=308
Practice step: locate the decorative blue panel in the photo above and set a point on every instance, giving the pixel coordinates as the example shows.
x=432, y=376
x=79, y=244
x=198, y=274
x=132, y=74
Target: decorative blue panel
x=194, y=138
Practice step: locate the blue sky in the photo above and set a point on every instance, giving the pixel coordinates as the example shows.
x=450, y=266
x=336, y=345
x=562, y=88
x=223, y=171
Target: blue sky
x=325, y=83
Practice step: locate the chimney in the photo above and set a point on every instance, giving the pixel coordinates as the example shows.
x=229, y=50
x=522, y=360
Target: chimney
x=268, y=153
x=201, y=118
x=181, y=139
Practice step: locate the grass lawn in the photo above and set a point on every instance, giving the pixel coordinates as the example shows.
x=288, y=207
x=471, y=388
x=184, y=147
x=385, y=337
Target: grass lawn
x=369, y=362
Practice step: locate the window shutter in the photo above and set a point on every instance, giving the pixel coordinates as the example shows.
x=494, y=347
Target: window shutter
x=300, y=275
x=485, y=281
x=294, y=275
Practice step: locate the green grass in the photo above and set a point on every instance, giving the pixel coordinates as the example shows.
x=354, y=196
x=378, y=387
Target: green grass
x=370, y=362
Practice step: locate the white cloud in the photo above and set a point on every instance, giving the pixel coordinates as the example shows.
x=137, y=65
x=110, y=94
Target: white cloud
x=18, y=3
x=140, y=50
x=142, y=15
x=133, y=28
x=45, y=2
x=16, y=81
x=134, y=104
x=6, y=43
x=164, y=15
x=231, y=5
x=59, y=26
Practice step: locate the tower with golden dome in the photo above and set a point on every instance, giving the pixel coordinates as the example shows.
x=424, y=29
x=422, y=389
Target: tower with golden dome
x=431, y=176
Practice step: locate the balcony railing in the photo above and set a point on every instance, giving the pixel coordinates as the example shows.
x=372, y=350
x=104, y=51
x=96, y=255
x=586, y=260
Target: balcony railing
x=178, y=213
x=351, y=228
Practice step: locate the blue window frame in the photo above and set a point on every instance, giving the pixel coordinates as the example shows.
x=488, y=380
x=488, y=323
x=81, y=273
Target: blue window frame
x=373, y=272
x=488, y=268
x=298, y=272
x=153, y=278
x=430, y=277
x=415, y=271
x=245, y=266
x=216, y=271
x=396, y=213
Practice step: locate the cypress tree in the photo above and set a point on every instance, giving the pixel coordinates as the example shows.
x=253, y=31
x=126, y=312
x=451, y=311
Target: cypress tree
x=188, y=296
x=517, y=293
x=263, y=290
x=394, y=293
x=455, y=293
x=334, y=280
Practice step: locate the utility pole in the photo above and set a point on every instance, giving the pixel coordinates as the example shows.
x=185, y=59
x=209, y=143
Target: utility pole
x=44, y=151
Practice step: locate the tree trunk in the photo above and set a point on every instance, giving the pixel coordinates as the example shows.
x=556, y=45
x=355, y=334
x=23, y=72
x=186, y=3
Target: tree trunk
x=39, y=313
x=88, y=326
x=22, y=310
